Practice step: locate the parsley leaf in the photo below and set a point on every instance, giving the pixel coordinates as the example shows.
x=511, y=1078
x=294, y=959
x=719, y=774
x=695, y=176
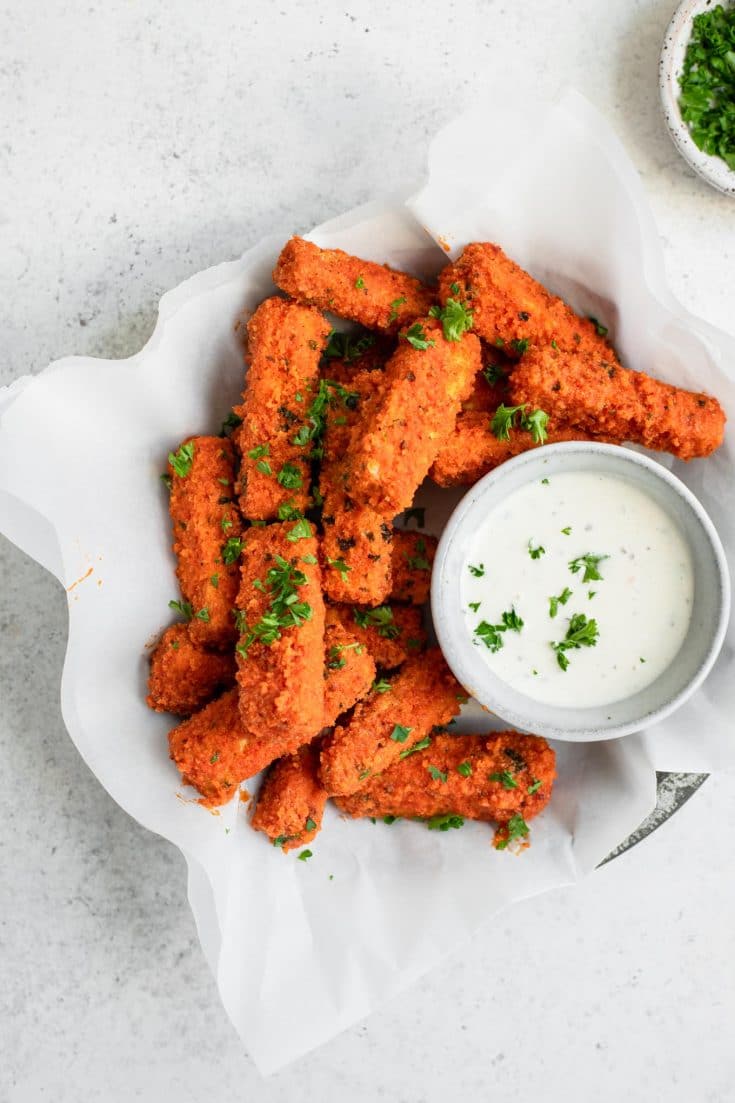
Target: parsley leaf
x=285, y=610
x=465, y=769
x=400, y=734
x=305, y=855
x=516, y=828
x=707, y=83
x=289, y=477
x=232, y=550
x=264, y=467
x=581, y=633
x=359, y=283
x=347, y=346
x=182, y=607
x=455, y=318
x=491, y=634
x=520, y=346
x=478, y=572
x=182, y=460
x=534, y=788
x=420, y=746
x=231, y=422
x=416, y=336
x=287, y=512
x=504, y=420
x=505, y=778
x=339, y=565
x=381, y=686
x=380, y=619
x=444, y=822
x=535, y=552
x=310, y=824
x=259, y=451
x=561, y=599
x=437, y=774
x=394, y=309
x=535, y=423
x=602, y=330
x=301, y=531
x=590, y=563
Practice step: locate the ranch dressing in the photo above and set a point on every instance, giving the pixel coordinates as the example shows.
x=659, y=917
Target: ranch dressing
x=523, y=554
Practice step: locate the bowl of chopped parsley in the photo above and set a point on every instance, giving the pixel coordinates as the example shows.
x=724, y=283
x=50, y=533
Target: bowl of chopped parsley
x=697, y=83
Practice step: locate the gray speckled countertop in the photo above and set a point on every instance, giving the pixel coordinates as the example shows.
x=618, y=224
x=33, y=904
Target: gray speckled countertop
x=139, y=145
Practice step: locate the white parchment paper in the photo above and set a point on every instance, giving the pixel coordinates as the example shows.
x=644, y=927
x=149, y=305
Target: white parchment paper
x=300, y=950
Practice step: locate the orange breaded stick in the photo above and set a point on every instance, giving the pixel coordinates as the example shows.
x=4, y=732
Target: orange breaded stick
x=204, y=519
x=355, y=544
x=372, y=294
x=363, y=388
x=390, y=633
x=598, y=396
x=183, y=676
x=291, y=800
x=480, y=777
x=509, y=306
x=214, y=753
x=281, y=620
x=412, y=557
x=387, y=725
x=349, y=667
x=473, y=449
x=407, y=426
x=285, y=342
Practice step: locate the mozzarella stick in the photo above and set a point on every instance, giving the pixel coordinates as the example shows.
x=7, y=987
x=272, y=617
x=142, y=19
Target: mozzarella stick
x=510, y=309
x=349, y=667
x=355, y=544
x=391, y=634
x=183, y=676
x=412, y=557
x=206, y=527
x=495, y=777
x=408, y=424
x=291, y=800
x=214, y=753
x=473, y=449
x=389, y=725
x=280, y=655
x=285, y=342
x=598, y=396
x=376, y=296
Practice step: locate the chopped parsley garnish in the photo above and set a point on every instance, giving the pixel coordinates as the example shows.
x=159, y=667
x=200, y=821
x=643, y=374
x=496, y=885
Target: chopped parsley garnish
x=264, y=467
x=534, y=788
x=284, y=611
x=224, y=482
x=590, y=563
x=444, y=822
x=287, y=512
x=505, y=778
x=707, y=83
x=281, y=839
x=232, y=550
x=581, y=633
x=602, y=330
x=400, y=734
x=419, y=562
x=381, y=619
x=182, y=607
x=182, y=460
x=544, y=482
x=478, y=572
x=214, y=580
x=416, y=336
x=166, y=478
x=203, y=615
x=561, y=599
x=520, y=346
x=394, y=309
x=231, y=422
x=359, y=283
x=493, y=373
x=301, y=531
x=381, y=686
x=420, y=746
x=310, y=825
x=259, y=451
x=289, y=477
x=225, y=523
x=567, y=531
x=516, y=828
x=347, y=346
x=491, y=634
x=537, y=551
x=390, y=819
x=474, y=605
x=455, y=318
x=591, y=594
x=305, y=855
x=312, y=431
x=437, y=774
x=506, y=418
x=464, y=769
x=309, y=558
x=339, y=565
x=213, y=759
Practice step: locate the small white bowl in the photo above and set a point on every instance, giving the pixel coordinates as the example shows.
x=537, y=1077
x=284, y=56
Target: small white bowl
x=710, y=610
x=712, y=169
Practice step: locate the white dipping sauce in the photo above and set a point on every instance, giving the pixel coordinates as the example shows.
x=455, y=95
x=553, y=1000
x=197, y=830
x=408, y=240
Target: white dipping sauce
x=642, y=603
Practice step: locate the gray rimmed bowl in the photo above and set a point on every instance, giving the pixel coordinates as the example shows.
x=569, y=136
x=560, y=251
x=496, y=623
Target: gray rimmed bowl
x=710, y=608
x=712, y=169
